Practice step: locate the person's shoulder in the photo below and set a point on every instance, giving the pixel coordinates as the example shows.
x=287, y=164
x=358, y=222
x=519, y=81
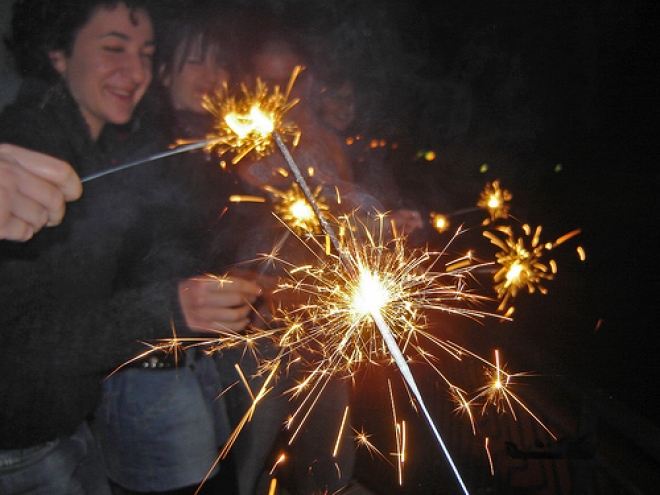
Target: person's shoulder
x=36, y=118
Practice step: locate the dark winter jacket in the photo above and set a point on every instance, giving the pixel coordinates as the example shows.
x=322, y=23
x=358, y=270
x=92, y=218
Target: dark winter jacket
x=79, y=299
x=217, y=224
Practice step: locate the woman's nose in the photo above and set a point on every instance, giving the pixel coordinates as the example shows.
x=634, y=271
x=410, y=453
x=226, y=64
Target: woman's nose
x=138, y=68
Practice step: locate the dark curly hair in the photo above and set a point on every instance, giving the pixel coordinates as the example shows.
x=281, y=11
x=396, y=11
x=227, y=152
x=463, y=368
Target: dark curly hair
x=42, y=26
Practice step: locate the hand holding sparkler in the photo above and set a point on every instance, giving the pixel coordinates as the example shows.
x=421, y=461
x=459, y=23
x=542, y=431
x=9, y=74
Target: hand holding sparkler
x=33, y=190
x=217, y=304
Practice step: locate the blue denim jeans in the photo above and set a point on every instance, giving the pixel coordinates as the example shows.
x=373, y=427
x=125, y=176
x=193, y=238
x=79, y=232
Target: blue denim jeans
x=66, y=466
x=157, y=428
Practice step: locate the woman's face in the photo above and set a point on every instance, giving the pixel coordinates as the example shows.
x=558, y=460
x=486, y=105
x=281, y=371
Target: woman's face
x=194, y=76
x=109, y=68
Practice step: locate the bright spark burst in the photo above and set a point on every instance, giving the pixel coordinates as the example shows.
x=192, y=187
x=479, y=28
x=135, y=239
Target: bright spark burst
x=362, y=440
x=520, y=261
x=495, y=201
x=294, y=210
x=498, y=393
x=367, y=304
x=341, y=292
x=246, y=125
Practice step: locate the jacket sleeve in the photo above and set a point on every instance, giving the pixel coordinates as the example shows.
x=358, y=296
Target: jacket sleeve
x=91, y=293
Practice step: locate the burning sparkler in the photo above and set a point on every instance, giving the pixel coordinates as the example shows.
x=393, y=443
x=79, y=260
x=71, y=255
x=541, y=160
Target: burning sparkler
x=366, y=304
x=440, y=222
x=294, y=210
x=247, y=124
x=493, y=199
x=521, y=261
x=243, y=125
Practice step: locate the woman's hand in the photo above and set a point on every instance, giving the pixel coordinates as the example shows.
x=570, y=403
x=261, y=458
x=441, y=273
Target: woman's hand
x=214, y=304
x=33, y=191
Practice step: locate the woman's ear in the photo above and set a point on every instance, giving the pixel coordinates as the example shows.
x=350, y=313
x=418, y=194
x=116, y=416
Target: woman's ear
x=58, y=61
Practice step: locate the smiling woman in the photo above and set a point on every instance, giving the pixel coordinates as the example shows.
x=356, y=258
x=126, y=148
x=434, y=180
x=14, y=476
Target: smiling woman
x=108, y=68
x=77, y=298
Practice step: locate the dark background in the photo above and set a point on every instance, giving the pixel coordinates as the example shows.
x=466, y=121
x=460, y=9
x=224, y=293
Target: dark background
x=586, y=74
x=569, y=83
x=559, y=99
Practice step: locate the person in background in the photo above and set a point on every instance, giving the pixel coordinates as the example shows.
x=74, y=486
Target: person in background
x=194, y=62
x=325, y=115
x=310, y=467
x=33, y=191
x=80, y=298
x=333, y=99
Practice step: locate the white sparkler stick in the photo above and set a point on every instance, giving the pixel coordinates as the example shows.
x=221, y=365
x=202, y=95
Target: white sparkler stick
x=151, y=158
x=400, y=360
x=307, y=192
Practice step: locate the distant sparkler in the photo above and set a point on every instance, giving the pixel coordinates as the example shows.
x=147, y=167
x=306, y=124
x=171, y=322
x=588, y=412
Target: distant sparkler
x=292, y=207
x=521, y=262
x=493, y=199
x=440, y=222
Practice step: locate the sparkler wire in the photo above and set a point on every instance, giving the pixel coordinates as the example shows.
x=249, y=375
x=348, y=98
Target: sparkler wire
x=174, y=151
x=464, y=211
x=398, y=356
x=307, y=192
x=382, y=326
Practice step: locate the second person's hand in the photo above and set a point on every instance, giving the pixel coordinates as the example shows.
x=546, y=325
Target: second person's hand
x=213, y=304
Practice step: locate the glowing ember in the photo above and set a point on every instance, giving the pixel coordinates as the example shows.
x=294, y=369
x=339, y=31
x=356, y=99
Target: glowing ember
x=440, y=222
x=495, y=200
x=520, y=261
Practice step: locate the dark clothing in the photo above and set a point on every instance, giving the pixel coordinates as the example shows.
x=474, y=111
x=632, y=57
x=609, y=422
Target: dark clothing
x=79, y=299
x=215, y=222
